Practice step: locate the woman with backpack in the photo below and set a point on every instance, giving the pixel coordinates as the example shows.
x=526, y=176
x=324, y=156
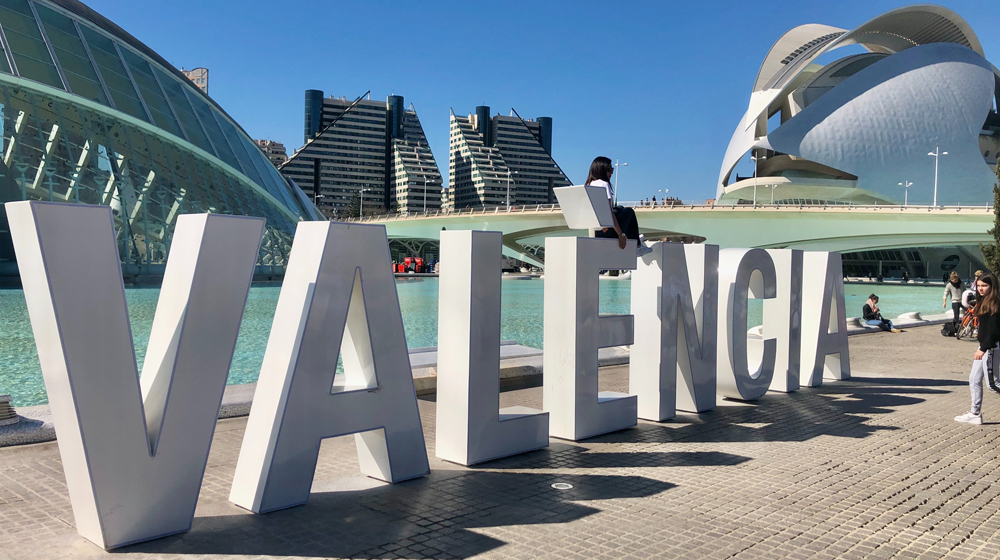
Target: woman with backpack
x=984, y=361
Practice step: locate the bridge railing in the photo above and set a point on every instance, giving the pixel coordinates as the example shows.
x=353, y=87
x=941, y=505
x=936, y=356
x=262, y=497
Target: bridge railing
x=668, y=205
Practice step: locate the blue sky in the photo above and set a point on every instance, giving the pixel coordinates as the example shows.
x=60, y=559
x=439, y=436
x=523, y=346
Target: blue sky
x=660, y=85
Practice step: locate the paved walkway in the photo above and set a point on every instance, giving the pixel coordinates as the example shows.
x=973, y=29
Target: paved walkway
x=870, y=468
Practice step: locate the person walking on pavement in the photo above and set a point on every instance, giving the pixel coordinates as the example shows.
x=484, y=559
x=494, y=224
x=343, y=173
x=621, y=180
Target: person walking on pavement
x=953, y=290
x=984, y=361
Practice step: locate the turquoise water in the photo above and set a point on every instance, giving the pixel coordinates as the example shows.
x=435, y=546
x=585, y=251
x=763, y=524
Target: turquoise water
x=521, y=320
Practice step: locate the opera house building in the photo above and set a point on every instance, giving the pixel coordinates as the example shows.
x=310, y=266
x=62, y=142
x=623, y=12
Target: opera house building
x=842, y=116
x=93, y=116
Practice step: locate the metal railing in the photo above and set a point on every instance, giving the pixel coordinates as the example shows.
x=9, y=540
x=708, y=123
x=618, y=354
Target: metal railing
x=670, y=205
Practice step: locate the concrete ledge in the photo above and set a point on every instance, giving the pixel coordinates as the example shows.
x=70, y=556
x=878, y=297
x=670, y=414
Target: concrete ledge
x=520, y=368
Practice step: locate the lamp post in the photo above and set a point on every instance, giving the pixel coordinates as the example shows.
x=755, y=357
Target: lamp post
x=755, y=160
x=772, y=187
x=937, y=153
x=663, y=199
x=618, y=167
x=906, y=190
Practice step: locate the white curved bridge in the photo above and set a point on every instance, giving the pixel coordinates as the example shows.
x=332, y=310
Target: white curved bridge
x=826, y=228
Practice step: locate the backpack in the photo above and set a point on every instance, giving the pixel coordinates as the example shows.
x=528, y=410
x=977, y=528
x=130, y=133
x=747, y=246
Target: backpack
x=948, y=329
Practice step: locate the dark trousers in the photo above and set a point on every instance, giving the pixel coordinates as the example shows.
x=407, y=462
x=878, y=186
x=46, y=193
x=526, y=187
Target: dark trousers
x=956, y=307
x=626, y=221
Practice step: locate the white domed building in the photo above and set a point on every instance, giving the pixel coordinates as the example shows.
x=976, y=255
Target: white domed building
x=853, y=130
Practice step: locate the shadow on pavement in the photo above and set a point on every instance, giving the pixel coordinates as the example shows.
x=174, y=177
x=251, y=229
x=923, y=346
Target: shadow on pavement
x=836, y=409
x=426, y=518
x=566, y=457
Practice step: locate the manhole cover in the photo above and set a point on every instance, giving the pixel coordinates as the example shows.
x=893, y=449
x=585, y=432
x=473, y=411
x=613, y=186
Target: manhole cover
x=562, y=486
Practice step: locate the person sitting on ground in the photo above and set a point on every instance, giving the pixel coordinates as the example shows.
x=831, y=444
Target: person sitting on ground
x=626, y=227
x=873, y=317
x=953, y=289
x=984, y=361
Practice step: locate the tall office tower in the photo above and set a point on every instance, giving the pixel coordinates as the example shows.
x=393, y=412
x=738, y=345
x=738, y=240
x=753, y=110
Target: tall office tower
x=199, y=76
x=501, y=160
x=349, y=161
x=275, y=151
x=414, y=178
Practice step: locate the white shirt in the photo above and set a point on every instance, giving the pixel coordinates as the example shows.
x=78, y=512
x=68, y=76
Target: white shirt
x=602, y=183
x=966, y=296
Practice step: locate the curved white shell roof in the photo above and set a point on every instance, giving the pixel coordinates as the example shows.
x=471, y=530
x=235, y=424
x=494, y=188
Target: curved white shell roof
x=894, y=32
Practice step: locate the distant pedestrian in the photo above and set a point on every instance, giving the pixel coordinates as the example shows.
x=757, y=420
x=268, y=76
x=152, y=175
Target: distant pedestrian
x=953, y=291
x=906, y=276
x=873, y=316
x=944, y=278
x=654, y=201
x=984, y=361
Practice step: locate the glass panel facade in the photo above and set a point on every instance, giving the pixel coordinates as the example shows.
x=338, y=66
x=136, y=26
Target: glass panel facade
x=151, y=93
x=72, y=56
x=114, y=74
x=175, y=93
x=4, y=65
x=58, y=149
x=67, y=153
x=204, y=114
x=31, y=56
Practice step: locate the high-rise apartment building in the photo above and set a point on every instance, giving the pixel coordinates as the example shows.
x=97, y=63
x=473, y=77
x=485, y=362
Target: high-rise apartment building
x=199, y=76
x=374, y=152
x=275, y=151
x=501, y=160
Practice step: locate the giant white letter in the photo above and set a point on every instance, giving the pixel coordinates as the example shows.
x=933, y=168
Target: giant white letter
x=783, y=318
x=740, y=272
x=672, y=363
x=574, y=331
x=471, y=428
x=338, y=287
x=133, y=449
x=825, y=352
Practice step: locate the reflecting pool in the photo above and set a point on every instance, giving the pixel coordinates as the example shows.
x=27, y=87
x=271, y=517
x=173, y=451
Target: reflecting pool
x=521, y=320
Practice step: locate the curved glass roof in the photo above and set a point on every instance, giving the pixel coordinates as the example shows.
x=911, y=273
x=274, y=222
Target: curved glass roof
x=66, y=45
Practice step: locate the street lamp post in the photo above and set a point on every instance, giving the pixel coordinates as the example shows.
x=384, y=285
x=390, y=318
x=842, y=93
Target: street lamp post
x=906, y=191
x=618, y=167
x=755, y=160
x=663, y=199
x=937, y=153
x=772, y=187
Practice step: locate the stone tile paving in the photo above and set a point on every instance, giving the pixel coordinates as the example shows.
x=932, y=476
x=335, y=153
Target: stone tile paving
x=870, y=468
